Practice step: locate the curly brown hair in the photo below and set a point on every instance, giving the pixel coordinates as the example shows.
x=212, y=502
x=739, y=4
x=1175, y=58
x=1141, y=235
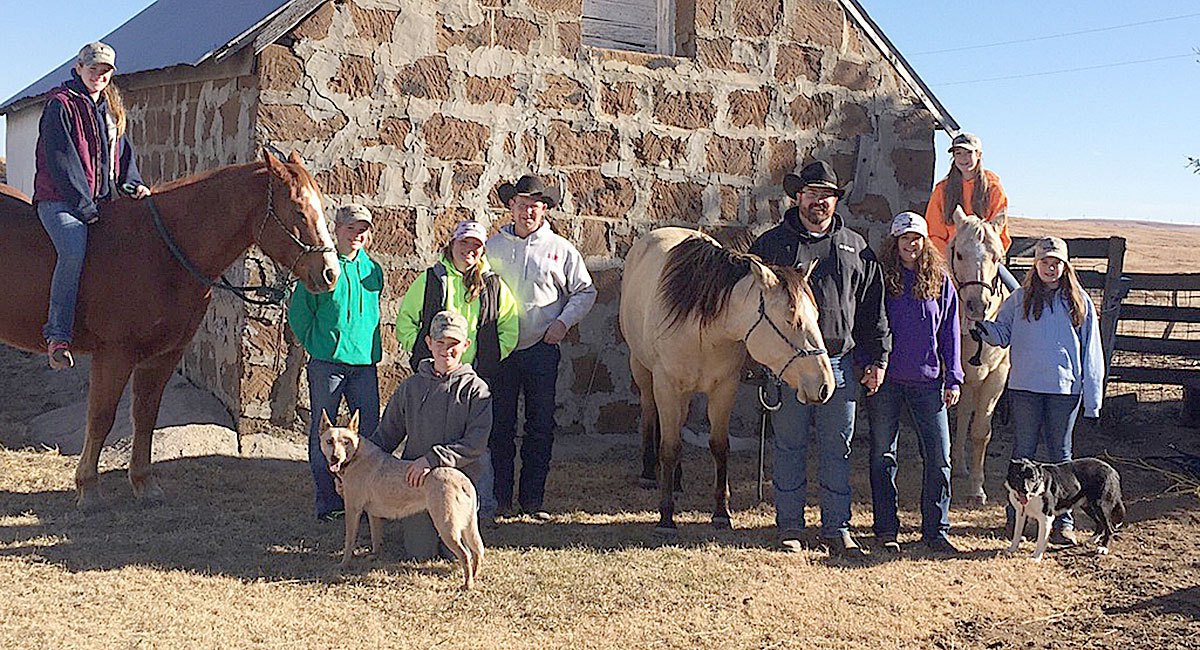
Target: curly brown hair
x=1038, y=295
x=930, y=270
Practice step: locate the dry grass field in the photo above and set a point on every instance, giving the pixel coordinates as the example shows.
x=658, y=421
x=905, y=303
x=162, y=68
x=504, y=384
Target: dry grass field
x=235, y=559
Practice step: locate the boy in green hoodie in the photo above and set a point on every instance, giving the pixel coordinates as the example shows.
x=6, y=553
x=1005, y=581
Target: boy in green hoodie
x=340, y=331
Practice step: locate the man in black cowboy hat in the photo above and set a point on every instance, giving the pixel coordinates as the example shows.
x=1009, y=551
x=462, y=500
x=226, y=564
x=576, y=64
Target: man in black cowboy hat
x=848, y=285
x=555, y=291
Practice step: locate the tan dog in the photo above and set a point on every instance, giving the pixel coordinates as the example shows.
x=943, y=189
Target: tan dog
x=373, y=481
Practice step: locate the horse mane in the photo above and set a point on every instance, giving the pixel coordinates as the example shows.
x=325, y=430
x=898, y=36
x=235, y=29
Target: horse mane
x=977, y=229
x=699, y=276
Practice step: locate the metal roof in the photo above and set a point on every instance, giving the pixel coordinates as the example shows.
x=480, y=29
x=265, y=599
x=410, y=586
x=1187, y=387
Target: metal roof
x=175, y=32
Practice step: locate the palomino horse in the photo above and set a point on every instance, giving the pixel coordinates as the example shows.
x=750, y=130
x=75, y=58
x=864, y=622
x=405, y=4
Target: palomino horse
x=689, y=311
x=975, y=255
x=138, y=307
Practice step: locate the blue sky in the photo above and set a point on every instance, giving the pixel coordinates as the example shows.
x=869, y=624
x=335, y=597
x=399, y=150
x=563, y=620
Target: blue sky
x=1110, y=142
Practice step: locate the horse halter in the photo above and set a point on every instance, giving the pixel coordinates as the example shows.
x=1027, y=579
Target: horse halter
x=305, y=249
x=798, y=353
x=993, y=287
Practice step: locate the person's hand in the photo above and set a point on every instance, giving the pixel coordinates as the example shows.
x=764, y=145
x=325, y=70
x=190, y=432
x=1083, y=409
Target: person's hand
x=141, y=192
x=950, y=396
x=872, y=378
x=555, y=333
x=417, y=472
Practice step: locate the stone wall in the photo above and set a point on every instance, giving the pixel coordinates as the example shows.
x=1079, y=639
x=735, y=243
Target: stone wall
x=182, y=123
x=420, y=109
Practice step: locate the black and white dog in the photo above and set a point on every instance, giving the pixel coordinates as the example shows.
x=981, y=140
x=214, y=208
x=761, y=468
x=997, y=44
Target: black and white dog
x=1044, y=490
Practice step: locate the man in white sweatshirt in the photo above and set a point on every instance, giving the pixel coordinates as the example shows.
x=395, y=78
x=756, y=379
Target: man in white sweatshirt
x=555, y=292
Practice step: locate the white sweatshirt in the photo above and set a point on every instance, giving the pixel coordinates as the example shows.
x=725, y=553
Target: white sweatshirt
x=548, y=276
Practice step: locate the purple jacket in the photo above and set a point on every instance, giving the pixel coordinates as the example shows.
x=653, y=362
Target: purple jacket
x=74, y=154
x=926, y=346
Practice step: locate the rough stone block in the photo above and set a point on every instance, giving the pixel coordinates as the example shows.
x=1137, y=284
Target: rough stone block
x=278, y=69
x=872, y=206
x=819, y=22
x=730, y=203
x=706, y=14
x=428, y=77
x=811, y=112
x=355, y=77
x=852, y=75
x=472, y=38
x=373, y=24
x=653, y=149
x=591, y=375
x=565, y=8
x=782, y=162
x=484, y=90
x=914, y=168
x=595, y=194
x=566, y=146
x=316, y=26
x=287, y=122
x=618, y=417
x=394, y=231
x=732, y=155
x=687, y=110
x=797, y=62
x=515, y=33
x=394, y=131
x=917, y=125
x=717, y=53
x=618, y=98
x=450, y=138
x=854, y=122
x=444, y=223
x=593, y=238
x=677, y=202
x=360, y=180
x=749, y=107
x=756, y=18
x=562, y=92
x=464, y=179
x=569, y=37
x=608, y=285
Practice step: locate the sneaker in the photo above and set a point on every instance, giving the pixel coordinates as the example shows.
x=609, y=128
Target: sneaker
x=845, y=546
x=792, y=540
x=889, y=544
x=1063, y=537
x=943, y=546
x=540, y=515
x=332, y=515
x=59, y=353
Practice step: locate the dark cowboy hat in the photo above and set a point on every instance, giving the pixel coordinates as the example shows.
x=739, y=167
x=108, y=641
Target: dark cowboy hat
x=529, y=185
x=816, y=174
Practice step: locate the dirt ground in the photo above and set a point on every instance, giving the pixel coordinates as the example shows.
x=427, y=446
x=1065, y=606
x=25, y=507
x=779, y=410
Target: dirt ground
x=235, y=559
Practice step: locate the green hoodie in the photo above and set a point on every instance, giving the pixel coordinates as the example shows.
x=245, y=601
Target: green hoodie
x=408, y=321
x=342, y=325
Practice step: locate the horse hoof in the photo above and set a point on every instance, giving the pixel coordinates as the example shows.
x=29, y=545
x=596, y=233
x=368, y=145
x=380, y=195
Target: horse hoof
x=722, y=523
x=89, y=500
x=148, y=491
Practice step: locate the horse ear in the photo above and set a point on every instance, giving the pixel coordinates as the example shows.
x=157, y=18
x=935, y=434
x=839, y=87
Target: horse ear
x=1000, y=219
x=959, y=215
x=763, y=273
x=272, y=162
x=294, y=158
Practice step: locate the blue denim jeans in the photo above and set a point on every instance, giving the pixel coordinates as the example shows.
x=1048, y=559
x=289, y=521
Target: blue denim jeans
x=1047, y=419
x=69, y=236
x=924, y=403
x=832, y=424
x=328, y=382
x=532, y=372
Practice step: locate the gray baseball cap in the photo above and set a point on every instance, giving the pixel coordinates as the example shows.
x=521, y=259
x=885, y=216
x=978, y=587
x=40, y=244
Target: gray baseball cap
x=1050, y=247
x=97, y=53
x=352, y=212
x=968, y=141
x=450, y=324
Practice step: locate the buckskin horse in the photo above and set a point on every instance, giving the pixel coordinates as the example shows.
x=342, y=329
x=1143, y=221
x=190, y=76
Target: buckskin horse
x=975, y=254
x=689, y=311
x=138, y=305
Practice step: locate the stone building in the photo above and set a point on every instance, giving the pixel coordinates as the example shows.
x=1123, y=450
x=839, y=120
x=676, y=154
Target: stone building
x=420, y=108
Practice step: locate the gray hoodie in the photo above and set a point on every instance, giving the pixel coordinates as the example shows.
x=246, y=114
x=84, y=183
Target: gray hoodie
x=446, y=419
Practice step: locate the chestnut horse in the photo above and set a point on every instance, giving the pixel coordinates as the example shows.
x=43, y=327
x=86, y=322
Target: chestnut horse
x=138, y=307
x=689, y=311
x=975, y=254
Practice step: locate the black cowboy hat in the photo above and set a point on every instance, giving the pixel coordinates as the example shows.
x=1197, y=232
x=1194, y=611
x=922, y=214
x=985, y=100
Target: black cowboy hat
x=816, y=174
x=529, y=185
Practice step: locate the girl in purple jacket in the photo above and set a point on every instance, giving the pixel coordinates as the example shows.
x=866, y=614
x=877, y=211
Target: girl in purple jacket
x=923, y=374
x=82, y=160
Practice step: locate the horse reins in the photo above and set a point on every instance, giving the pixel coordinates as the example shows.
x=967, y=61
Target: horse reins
x=799, y=352
x=271, y=295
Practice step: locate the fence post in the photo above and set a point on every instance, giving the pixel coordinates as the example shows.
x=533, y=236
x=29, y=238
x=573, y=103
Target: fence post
x=1114, y=293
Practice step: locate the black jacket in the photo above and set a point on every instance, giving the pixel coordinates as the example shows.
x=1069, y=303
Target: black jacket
x=487, y=333
x=847, y=282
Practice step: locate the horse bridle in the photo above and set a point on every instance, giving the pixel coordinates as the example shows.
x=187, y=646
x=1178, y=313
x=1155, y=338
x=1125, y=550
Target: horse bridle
x=798, y=353
x=270, y=295
x=993, y=286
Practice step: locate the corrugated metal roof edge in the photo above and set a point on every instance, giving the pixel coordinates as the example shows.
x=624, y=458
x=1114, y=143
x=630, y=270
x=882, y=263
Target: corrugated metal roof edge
x=279, y=22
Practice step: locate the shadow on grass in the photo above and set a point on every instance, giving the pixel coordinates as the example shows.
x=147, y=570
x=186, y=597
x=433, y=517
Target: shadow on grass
x=1182, y=602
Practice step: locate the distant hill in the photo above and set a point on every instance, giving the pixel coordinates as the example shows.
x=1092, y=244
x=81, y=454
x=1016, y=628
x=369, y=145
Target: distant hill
x=1150, y=247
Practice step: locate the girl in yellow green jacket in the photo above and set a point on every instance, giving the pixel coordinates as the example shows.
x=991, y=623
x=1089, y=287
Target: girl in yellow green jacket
x=463, y=282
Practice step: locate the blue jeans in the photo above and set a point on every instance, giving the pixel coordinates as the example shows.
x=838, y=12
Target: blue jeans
x=69, y=236
x=1047, y=419
x=832, y=423
x=928, y=412
x=533, y=372
x=328, y=382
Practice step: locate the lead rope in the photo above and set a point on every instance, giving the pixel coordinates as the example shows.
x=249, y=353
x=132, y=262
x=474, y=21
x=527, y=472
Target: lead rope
x=767, y=408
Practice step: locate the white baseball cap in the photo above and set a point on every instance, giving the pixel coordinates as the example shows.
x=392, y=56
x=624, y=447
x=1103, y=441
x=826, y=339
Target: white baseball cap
x=907, y=222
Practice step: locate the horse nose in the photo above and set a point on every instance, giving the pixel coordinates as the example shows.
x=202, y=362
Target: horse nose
x=823, y=394
x=330, y=275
